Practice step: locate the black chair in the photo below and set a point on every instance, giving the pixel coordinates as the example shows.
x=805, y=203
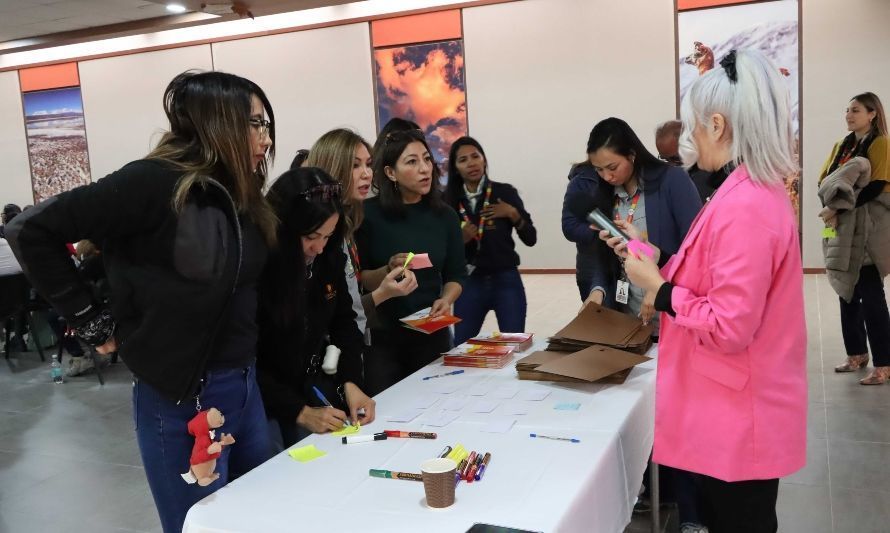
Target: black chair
x=18, y=302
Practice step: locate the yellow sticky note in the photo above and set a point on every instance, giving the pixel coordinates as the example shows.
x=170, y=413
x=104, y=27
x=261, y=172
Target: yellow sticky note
x=347, y=430
x=408, y=260
x=829, y=233
x=304, y=454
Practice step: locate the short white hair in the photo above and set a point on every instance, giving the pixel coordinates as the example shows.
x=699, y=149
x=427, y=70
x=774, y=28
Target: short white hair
x=757, y=109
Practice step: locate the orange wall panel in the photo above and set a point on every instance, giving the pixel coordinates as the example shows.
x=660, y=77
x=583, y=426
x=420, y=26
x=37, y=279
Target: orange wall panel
x=437, y=26
x=51, y=77
x=697, y=4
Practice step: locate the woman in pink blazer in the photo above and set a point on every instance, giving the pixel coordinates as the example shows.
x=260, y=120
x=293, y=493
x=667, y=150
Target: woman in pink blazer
x=731, y=392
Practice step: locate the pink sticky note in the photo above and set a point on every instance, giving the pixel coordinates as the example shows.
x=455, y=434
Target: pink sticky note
x=638, y=248
x=420, y=261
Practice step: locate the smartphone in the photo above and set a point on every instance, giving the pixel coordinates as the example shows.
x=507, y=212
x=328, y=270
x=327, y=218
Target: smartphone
x=488, y=528
x=604, y=222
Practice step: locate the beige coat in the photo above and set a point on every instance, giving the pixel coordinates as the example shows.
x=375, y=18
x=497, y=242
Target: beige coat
x=863, y=234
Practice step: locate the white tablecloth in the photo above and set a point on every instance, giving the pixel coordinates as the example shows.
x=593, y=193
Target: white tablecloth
x=530, y=483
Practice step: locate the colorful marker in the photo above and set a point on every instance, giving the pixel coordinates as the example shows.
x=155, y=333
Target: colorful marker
x=353, y=439
x=452, y=373
x=409, y=434
x=471, y=475
x=470, y=462
x=445, y=451
x=482, y=468
x=389, y=474
x=567, y=439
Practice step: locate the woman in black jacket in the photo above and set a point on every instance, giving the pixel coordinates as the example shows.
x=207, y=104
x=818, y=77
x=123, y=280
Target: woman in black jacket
x=489, y=212
x=305, y=307
x=184, y=235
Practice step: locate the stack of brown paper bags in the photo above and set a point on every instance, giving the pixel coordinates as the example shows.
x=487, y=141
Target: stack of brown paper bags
x=600, y=325
x=593, y=364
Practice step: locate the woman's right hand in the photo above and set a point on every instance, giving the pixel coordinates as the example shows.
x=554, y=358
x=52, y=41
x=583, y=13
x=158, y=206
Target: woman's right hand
x=321, y=419
x=397, y=261
x=399, y=282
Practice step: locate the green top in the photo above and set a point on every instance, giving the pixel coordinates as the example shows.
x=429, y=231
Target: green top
x=420, y=230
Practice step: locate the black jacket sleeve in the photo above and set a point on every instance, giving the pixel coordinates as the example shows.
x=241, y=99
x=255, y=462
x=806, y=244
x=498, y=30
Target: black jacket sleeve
x=344, y=332
x=129, y=201
x=870, y=192
x=525, y=229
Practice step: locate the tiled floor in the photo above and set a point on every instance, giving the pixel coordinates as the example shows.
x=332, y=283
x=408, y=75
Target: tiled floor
x=69, y=463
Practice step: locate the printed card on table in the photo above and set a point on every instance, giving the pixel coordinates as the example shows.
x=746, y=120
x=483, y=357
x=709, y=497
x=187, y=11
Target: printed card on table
x=422, y=322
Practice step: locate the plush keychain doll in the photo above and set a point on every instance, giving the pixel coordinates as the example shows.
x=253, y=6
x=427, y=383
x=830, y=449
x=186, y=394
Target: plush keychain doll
x=207, y=448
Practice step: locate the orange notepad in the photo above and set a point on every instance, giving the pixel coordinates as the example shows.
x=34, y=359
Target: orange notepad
x=421, y=321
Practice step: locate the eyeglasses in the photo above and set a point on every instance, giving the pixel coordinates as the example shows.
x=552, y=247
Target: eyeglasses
x=262, y=126
x=322, y=192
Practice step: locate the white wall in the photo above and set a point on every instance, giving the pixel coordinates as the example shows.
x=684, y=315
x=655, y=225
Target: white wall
x=541, y=73
x=845, y=48
x=317, y=80
x=15, y=177
x=123, y=102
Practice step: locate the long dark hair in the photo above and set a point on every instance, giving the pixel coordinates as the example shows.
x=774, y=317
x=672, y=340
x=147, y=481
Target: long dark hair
x=454, y=191
x=303, y=199
x=209, y=137
x=391, y=148
x=616, y=135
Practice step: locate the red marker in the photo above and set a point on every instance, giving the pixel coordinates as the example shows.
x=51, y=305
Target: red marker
x=472, y=474
x=409, y=434
x=470, y=462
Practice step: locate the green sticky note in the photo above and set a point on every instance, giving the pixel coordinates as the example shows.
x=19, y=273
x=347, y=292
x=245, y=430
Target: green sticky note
x=304, y=454
x=347, y=430
x=829, y=233
x=567, y=406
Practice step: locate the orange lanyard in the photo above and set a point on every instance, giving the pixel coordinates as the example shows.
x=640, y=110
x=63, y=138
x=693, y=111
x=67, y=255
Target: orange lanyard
x=633, y=205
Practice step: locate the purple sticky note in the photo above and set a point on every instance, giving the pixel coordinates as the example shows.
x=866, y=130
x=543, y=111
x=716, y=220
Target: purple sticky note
x=638, y=248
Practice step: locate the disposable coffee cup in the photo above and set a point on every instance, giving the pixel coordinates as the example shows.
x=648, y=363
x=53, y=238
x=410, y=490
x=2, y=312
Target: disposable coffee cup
x=438, y=482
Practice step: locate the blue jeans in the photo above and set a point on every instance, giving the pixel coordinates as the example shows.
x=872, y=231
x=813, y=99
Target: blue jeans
x=501, y=292
x=165, y=444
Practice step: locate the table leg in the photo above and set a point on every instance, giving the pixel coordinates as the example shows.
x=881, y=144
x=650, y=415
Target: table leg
x=654, y=497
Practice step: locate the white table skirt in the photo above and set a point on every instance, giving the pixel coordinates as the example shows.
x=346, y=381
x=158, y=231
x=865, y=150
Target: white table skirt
x=533, y=484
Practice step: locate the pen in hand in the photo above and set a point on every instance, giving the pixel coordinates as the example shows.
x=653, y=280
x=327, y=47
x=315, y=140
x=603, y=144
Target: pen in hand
x=327, y=403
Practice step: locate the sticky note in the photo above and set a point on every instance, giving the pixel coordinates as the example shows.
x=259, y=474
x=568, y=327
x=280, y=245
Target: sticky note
x=829, y=233
x=404, y=416
x=481, y=389
x=500, y=425
x=567, y=406
x=505, y=393
x=421, y=261
x=455, y=403
x=446, y=387
x=517, y=409
x=347, y=430
x=304, y=454
x=422, y=402
x=441, y=419
x=534, y=395
x=483, y=406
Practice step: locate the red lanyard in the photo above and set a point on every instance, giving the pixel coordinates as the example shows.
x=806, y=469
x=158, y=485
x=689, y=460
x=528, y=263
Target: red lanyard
x=466, y=217
x=353, y=255
x=633, y=205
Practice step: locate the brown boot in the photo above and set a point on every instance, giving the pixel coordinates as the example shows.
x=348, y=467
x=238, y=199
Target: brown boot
x=878, y=376
x=853, y=363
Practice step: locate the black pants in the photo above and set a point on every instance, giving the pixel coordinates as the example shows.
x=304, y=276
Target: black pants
x=866, y=316
x=399, y=352
x=740, y=506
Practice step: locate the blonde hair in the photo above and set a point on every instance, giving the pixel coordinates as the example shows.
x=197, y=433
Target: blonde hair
x=334, y=152
x=757, y=109
x=209, y=137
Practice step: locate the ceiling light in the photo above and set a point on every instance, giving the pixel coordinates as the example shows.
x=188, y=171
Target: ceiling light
x=176, y=8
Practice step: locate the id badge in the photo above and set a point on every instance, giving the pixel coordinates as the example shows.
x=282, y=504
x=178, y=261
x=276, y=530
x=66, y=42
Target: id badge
x=622, y=293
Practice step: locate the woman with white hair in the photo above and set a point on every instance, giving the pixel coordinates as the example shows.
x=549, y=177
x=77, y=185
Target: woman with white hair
x=731, y=405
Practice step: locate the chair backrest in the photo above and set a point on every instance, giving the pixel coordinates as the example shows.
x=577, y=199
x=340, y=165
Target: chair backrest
x=15, y=292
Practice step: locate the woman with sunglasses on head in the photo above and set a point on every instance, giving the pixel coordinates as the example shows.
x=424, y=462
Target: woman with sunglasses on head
x=407, y=215
x=305, y=309
x=346, y=156
x=184, y=234
x=731, y=390
x=865, y=320
x=490, y=211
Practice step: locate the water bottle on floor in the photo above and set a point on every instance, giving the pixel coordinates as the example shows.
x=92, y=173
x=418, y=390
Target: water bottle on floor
x=55, y=370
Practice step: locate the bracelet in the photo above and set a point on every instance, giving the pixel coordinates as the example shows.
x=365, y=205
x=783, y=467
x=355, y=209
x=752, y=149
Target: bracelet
x=98, y=330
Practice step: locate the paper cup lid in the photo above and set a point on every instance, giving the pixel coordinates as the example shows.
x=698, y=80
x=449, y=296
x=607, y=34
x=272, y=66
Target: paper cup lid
x=438, y=466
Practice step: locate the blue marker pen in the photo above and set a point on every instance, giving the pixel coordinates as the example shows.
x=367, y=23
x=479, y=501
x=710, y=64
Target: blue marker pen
x=326, y=402
x=452, y=373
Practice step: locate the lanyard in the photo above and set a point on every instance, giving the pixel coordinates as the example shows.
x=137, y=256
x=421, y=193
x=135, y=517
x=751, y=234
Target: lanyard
x=465, y=216
x=353, y=255
x=633, y=205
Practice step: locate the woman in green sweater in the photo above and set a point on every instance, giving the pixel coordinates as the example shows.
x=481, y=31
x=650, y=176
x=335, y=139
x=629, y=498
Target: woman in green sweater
x=408, y=215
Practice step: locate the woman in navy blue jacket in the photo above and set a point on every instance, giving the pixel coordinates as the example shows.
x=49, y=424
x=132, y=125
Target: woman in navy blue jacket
x=659, y=199
x=490, y=211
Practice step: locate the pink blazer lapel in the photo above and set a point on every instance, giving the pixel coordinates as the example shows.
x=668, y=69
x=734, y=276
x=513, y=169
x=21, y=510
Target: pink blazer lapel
x=713, y=205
